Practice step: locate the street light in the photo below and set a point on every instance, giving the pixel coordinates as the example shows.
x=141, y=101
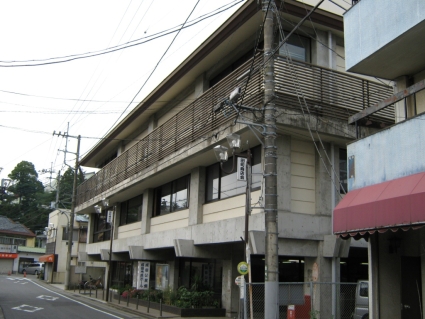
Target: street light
x=244, y=173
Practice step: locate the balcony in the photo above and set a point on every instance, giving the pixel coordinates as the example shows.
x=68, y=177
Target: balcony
x=384, y=38
x=337, y=95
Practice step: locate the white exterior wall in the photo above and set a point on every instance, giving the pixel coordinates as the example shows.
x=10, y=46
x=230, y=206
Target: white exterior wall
x=375, y=162
x=378, y=27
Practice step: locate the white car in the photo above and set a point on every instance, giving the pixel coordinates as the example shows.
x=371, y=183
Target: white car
x=34, y=268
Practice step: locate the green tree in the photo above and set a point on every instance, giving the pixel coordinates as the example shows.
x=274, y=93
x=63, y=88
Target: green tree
x=66, y=184
x=25, y=184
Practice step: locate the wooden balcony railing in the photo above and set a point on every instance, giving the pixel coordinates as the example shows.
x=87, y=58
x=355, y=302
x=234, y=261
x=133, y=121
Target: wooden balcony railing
x=334, y=94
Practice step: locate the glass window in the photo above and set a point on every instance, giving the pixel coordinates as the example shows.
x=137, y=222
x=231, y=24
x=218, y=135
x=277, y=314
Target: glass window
x=297, y=47
x=221, y=185
x=83, y=235
x=131, y=210
x=102, y=229
x=65, y=234
x=172, y=197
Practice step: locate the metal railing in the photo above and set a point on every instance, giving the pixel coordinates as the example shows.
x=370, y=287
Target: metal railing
x=330, y=93
x=319, y=300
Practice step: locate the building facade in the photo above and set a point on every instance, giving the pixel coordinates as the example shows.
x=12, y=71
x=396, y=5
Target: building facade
x=386, y=198
x=177, y=213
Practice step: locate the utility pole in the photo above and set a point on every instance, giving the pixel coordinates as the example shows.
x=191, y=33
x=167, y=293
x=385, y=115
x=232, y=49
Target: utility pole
x=271, y=280
x=58, y=190
x=71, y=219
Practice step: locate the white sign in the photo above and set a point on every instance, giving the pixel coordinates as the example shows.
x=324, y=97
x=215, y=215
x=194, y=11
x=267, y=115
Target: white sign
x=144, y=273
x=7, y=248
x=240, y=281
x=109, y=216
x=242, y=171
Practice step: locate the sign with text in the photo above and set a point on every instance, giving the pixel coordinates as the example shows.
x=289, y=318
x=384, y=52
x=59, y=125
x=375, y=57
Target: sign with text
x=144, y=273
x=241, y=174
x=109, y=216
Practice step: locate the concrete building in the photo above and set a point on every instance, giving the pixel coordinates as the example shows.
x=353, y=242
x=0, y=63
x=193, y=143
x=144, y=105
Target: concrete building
x=178, y=214
x=57, y=233
x=386, y=172
x=17, y=246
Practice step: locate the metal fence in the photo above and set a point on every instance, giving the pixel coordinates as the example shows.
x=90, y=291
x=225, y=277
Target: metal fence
x=307, y=300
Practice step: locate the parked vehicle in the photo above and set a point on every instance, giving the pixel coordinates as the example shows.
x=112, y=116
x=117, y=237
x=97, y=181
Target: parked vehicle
x=93, y=283
x=34, y=268
x=361, y=310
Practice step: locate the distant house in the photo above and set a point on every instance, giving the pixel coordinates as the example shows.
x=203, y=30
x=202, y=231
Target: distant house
x=17, y=246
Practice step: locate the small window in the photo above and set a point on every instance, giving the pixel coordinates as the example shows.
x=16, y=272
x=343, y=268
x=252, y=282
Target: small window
x=102, y=229
x=297, y=47
x=131, y=210
x=172, y=197
x=65, y=234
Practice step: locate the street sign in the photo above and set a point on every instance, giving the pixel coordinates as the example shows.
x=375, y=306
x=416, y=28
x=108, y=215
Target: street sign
x=243, y=268
x=241, y=173
x=109, y=216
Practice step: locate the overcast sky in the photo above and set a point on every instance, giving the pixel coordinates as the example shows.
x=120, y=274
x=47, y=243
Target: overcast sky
x=91, y=93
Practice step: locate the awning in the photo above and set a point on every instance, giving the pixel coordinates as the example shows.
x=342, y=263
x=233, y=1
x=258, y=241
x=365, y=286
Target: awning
x=396, y=204
x=47, y=258
x=8, y=256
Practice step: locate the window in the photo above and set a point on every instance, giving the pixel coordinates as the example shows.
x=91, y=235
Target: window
x=65, y=234
x=221, y=185
x=343, y=171
x=172, y=197
x=131, y=210
x=298, y=48
x=102, y=229
x=83, y=235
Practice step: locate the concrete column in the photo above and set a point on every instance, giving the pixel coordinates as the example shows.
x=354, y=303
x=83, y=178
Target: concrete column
x=373, y=265
x=320, y=52
x=201, y=85
x=147, y=209
x=324, y=184
x=197, y=195
x=173, y=279
x=319, y=271
x=283, y=145
x=400, y=107
x=230, y=292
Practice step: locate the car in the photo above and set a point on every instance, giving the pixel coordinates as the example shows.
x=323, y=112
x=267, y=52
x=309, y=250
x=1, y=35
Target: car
x=34, y=268
x=361, y=310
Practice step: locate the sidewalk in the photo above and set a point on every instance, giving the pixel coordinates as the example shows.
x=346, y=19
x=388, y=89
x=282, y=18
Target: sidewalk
x=122, y=304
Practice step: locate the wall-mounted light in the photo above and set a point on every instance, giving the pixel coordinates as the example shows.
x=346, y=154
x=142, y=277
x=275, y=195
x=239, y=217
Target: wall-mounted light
x=105, y=202
x=97, y=209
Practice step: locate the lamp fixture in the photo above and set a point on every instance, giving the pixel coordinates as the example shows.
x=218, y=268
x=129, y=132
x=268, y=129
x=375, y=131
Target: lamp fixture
x=105, y=202
x=221, y=153
x=234, y=140
x=97, y=209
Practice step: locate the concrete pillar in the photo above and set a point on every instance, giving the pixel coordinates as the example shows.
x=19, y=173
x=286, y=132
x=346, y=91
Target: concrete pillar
x=373, y=266
x=197, y=195
x=400, y=107
x=230, y=292
x=320, y=52
x=173, y=274
x=201, y=85
x=147, y=209
x=283, y=145
x=324, y=186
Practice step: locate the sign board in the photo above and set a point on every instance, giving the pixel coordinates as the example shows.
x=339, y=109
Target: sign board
x=144, y=274
x=242, y=170
x=243, y=268
x=240, y=281
x=109, y=216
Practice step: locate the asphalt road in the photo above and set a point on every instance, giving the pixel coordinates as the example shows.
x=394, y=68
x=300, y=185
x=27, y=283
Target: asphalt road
x=26, y=298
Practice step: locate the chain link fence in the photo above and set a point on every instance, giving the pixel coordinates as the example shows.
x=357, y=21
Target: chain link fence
x=306, y=300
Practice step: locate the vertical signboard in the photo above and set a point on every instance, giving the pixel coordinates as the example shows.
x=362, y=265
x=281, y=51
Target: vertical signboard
x=241, y=173
x=144, y=273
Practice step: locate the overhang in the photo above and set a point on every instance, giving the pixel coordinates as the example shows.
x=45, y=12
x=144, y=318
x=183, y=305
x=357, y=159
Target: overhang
x=396, y=204
x=47, y=258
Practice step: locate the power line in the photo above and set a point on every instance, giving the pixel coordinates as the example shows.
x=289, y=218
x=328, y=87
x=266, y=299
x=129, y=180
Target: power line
x=68, y=58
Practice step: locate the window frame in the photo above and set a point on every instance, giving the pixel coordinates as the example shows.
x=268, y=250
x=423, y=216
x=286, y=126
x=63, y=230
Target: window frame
x=171, y=190
x=101, y=234
x=215, y=170
x=125, y=208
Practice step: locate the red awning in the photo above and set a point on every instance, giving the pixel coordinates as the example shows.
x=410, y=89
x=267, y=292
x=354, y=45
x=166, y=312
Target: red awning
x=47, y=258
x=8, y=256
x=396, y=204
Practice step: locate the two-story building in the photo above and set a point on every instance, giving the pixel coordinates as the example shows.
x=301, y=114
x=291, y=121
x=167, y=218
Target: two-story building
x=386, y=171
x=175, y=210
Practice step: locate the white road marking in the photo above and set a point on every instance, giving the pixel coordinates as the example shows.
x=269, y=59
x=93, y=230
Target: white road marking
x=27, y=308
x=47, y=297
x=76, y=301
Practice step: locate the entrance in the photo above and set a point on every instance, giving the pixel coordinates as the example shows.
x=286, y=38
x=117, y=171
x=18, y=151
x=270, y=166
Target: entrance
x=411, y=292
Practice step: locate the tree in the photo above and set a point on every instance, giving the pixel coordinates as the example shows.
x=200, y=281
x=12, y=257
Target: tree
x=22, y=201
x=66, y=185
x=25, y=184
